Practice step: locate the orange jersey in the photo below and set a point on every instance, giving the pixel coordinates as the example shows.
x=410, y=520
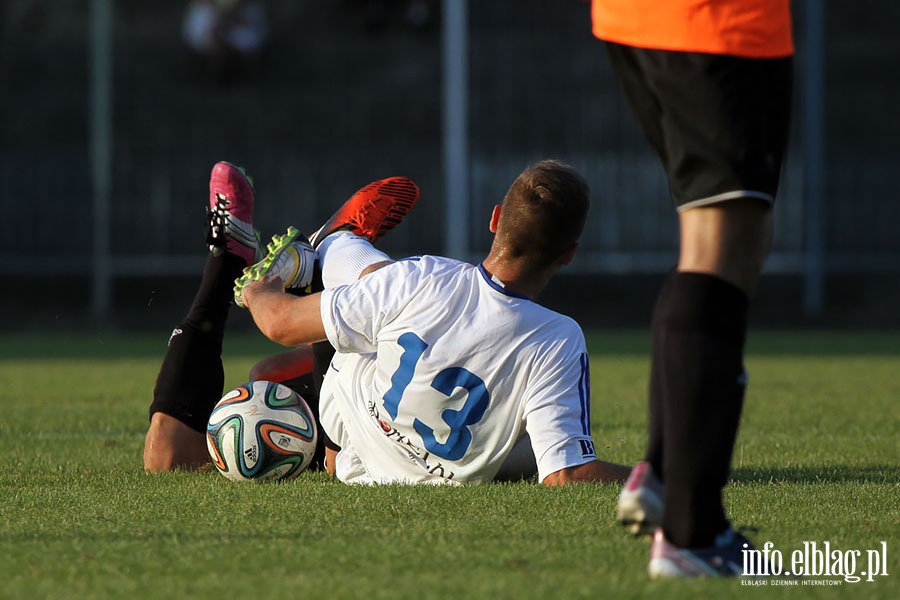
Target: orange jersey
x=749, y=28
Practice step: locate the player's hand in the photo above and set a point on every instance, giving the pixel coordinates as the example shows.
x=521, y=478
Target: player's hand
x=249, y=289
x=284, y=318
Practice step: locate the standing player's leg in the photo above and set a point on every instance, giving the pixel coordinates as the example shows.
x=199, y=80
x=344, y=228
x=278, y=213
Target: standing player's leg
x=725, y=215
x=723, y=165
x=697, y=378
x=699, y=338
x=699, y=333
x=191, y=377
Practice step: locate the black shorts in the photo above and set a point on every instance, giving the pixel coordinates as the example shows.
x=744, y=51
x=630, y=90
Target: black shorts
x=718, y=123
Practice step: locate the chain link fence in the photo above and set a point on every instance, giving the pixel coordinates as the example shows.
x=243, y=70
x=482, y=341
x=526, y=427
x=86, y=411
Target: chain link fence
x=338, y=100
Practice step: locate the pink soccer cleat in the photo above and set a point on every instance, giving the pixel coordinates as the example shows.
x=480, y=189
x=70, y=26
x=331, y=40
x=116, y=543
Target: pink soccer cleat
x=230, y=214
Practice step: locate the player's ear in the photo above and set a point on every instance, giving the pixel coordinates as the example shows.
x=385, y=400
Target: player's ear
x=569, y=254
x=495, y=218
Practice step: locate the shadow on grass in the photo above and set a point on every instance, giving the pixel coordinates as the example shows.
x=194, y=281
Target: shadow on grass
x=820, y=474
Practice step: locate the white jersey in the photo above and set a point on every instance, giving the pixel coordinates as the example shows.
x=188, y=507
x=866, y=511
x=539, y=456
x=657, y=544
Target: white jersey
x=439, y=371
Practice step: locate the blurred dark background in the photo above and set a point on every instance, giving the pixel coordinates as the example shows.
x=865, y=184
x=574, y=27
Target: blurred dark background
x=342, y=92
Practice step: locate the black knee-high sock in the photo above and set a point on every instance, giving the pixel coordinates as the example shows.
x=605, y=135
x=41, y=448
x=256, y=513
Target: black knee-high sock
x=699, y=347
x=654, y=454
x=191, y=377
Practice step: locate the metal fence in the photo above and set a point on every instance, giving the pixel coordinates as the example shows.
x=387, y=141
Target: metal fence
x=108, y=131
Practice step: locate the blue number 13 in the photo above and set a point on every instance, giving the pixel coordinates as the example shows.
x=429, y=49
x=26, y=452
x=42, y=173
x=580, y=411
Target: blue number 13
x=445, y=382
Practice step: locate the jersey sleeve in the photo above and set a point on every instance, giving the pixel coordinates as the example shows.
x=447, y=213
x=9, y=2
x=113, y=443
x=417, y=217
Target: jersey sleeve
x=557, y=412
x=353, y=314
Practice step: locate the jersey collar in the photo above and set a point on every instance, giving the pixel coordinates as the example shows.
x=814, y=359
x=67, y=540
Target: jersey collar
x=498, y=285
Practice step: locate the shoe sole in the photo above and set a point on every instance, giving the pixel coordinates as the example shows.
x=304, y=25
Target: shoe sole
x=665, y=568
x=259, y=270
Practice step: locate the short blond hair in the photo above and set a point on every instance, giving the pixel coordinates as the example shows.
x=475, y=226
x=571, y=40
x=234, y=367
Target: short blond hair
x=544, y=212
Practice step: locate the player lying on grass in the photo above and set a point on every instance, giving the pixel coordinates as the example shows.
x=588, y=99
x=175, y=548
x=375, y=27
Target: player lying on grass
x=441, y=366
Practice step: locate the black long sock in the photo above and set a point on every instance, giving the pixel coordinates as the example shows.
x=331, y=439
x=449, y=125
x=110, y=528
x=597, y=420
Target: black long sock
x=699, y=334
x=191, y=377
x=654, y=454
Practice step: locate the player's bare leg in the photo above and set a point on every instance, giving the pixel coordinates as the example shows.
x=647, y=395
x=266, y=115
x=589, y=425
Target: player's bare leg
x=730, y=240
x=191, y=376
x=700, y=327
x=171, y=445
x=330, y=458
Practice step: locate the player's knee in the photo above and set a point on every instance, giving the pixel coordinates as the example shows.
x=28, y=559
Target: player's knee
x=171, y=445
x=730, y=240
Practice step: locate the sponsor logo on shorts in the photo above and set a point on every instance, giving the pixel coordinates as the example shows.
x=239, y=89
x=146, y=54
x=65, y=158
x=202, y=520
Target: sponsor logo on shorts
x=418, y=456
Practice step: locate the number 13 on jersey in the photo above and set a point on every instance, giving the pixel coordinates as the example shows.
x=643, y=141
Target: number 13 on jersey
x=445, y=382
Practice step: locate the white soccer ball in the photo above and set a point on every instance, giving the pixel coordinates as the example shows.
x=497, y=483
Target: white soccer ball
x=261, y=431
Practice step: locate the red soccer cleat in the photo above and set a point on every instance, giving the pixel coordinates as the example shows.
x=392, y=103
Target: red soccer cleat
x=372, y=211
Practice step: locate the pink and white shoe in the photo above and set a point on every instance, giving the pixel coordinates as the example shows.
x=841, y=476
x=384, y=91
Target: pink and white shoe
x=725, y=558
x=230, y=214
x=640, y=505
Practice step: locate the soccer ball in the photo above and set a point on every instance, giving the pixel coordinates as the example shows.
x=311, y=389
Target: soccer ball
x=261, y=431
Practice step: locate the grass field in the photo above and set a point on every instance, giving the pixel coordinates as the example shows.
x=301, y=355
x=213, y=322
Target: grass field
x=818, y=460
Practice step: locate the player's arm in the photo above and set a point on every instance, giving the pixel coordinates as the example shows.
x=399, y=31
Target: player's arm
x=596, y=471
x=558, y=421
x=284, y=318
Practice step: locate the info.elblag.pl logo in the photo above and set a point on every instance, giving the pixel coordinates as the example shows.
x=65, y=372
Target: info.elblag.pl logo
x=816, y=560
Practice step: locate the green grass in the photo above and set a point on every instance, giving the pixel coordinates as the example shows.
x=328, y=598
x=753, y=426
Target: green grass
x=817, y=460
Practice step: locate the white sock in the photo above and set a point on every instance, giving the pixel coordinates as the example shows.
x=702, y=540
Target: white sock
x=344, y=256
